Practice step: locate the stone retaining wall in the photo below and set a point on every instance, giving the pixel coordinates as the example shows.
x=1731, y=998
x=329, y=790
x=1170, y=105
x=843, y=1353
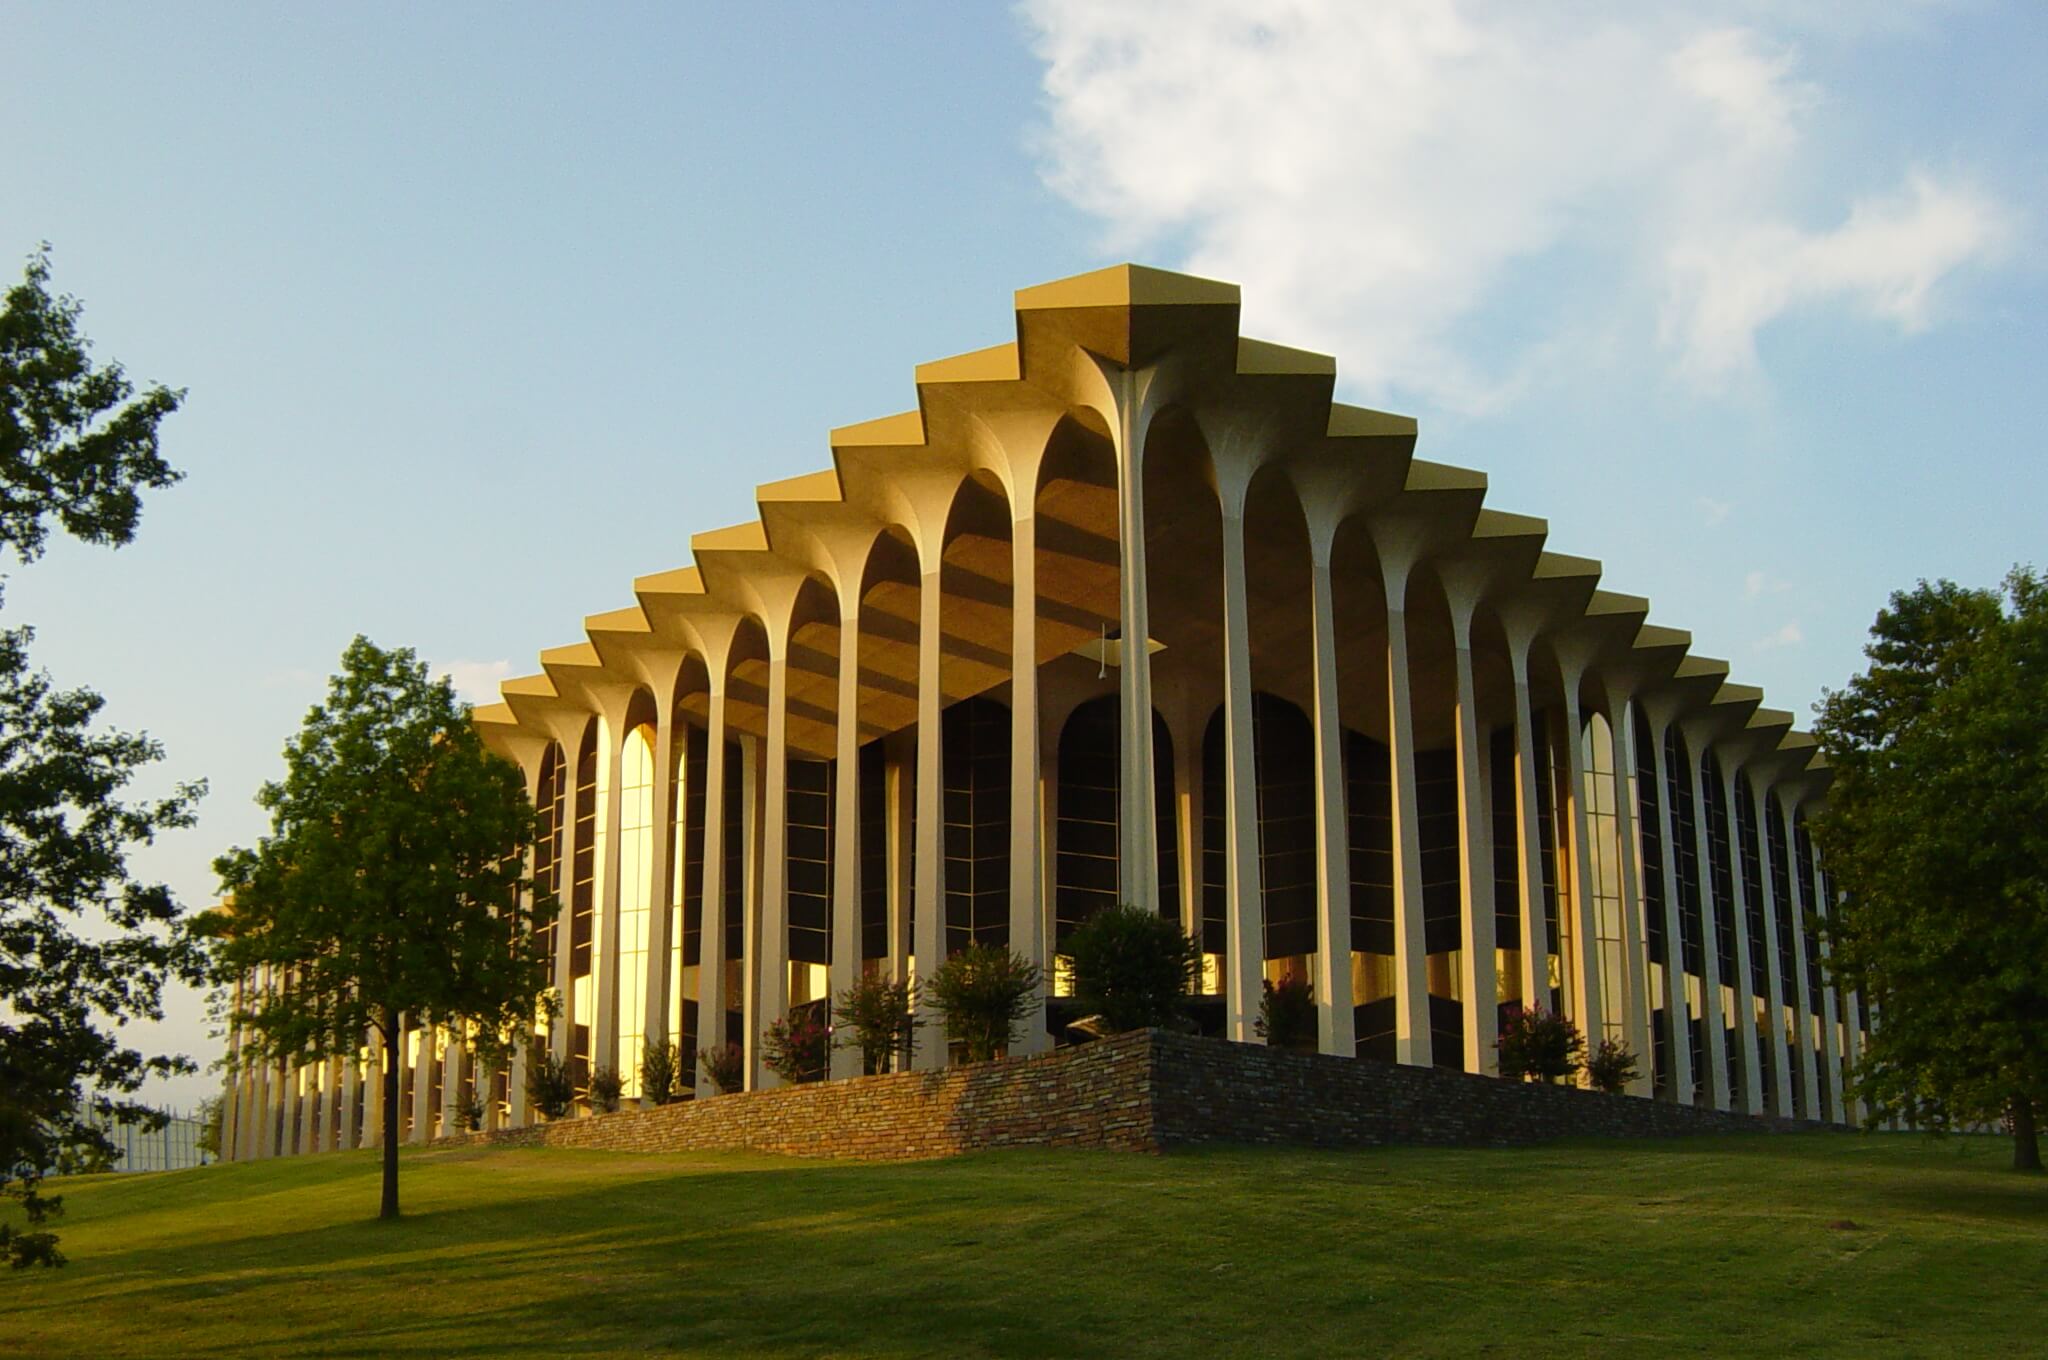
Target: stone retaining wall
x=1145, y=1091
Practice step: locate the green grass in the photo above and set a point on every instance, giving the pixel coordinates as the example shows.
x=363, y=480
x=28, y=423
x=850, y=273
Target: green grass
x=1718, y=1246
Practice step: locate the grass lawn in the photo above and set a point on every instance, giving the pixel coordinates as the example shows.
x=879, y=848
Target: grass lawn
x=1735, y=1245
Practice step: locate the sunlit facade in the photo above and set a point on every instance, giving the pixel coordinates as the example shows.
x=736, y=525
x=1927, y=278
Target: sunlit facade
x=1378, y=736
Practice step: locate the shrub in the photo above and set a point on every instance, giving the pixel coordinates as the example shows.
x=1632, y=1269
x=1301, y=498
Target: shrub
x=797, y=1047
x=874, y=1015
x=1132, y=967
x=1287, y=1014
x=469, y=1112
x=1612, y=1067
x=605, y=1085
x=548, y=1085
x=983, y=992
x=727, y=1068
x=661, y=1072
x=1536, y=1045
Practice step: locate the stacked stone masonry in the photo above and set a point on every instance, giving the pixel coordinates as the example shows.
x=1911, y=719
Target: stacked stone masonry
x=1147, y=1091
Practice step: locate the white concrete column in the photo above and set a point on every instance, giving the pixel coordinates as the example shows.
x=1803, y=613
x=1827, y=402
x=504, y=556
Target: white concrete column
x=1635, y=1025
x=1802, y=1006
x=561, y=1029
x=1478, y=983
x=773, y=966
x=517, y=1113
x=710, y=998
x=751, y=813
x=664, y=944
x=351, y=1100
x=902, y=812
x=1244, y=908
x=1027, y=936
x=1842, y=1031
x=604, y=943
x=1137, y=820
x=1745, y=963
x=845, y=933
x=1336, y=1028
x=928, y=926
x=1587, y=1002
x=451, y=1083
x=373, y=1092
x=1411, y=951
x=1529, y=830
x=1774, y=979
x=423, y=1087
x=1677, y=1008
x=1187, y=812
x=1712, y=1022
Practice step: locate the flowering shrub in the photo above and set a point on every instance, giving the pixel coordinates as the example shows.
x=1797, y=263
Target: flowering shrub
x=1133, y=967
x=1287, y=1013
x=727, y=1067
x=1537, y=1045
x=1612, y=1067
x=797, y=1046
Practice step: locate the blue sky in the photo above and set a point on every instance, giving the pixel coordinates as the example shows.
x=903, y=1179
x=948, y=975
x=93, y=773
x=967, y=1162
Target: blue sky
x=485, y=309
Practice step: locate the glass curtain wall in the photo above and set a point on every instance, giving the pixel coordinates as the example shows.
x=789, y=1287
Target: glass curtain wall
x=636, y=900
x=1603, y=854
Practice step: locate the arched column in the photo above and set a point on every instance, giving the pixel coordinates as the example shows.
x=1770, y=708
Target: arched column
x=1480, y=985
x=1574, y=657
x=1809, y=1077
x=711, y=952
x=1697, y=733
x=1775, y=847
x=1411, y=951
x=928, y=923
x=1242, y=909
x=1752, y=1092
x=1677, y=1005
x=1634, y=929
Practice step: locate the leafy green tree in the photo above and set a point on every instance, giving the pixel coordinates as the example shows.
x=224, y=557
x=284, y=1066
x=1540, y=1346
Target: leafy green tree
x=1936, y=834
x=876, y=1016
x=1133, y=967
x=983, y=992
x=393, y=886
x=84, y=948
x=1287, y=1013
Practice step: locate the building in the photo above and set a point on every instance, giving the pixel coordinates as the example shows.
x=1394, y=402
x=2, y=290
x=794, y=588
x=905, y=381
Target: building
x=1377, y=734
x=174, y=1147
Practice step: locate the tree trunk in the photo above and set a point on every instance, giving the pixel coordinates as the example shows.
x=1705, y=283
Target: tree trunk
x=2026, y=1136
x=388, y=1207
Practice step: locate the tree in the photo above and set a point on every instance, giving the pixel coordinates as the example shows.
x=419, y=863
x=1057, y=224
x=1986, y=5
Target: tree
x=1538, y=1045
x=1936, y=834
x=74, y=449
x=393, y=886
x=983, y=991
x=1133, y=967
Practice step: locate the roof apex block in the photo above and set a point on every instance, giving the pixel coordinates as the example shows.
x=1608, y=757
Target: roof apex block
x=1556, y=566
x=675, y=581
x=632, y=619
x=1731, y=693
x=530, y=686
x=810, y=489
x=1610, y=602
x=1359, y=422
x=905, y=430
x=1127, y=285
x=494, y=715
x=1506, y=524
x=576, y=654
x=1657, y=635
x=997, y=363
x=1262, y=358
x=1426, y=476
x=749, y=537
x=1700, y=668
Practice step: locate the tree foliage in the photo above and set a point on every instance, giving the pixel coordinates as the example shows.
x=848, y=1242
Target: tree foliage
x=1133, y=967
x=392, y=888
x=84, y=948
x=1936, y=834
x=878, y=1016
x=1539, y=1045
x=73, y=445
x=983, y=992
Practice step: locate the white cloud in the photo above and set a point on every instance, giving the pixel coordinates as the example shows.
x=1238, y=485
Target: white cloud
x=1756, y=585
x=1788, y=636
x=476, y=681
x=1375, y=173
